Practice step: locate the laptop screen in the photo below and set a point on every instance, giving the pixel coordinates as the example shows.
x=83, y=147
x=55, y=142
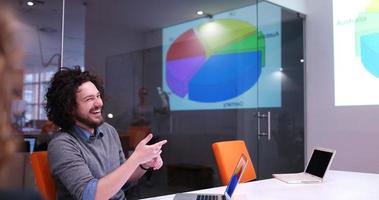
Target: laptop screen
x=318, y=164
x=237, y=173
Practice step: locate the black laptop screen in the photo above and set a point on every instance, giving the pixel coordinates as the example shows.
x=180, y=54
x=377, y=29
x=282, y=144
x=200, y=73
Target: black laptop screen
x=319, y=162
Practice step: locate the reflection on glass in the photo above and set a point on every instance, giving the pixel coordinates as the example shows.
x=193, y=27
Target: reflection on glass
x=46, y=76
x=31, y=93
x=42, y=113
x=31, y=112
x=35, y=87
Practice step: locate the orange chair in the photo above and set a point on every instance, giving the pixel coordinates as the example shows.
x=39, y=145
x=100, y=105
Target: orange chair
x=43, y=175
x=136, y=134
x=227, y=154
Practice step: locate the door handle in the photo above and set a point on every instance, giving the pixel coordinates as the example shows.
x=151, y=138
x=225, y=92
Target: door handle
x=268, y=117
x=259, y=125
x=268, y=125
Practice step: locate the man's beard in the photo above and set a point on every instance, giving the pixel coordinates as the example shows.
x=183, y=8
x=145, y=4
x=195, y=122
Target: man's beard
x=88, y=122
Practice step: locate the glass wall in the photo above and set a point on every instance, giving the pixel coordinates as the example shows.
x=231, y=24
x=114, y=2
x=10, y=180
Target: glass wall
x=35, y=85
x=234, y=73
x=42, y=36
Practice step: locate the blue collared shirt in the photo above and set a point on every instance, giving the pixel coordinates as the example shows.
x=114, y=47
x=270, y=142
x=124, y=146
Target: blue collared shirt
x=90, y=189
x=86, y=135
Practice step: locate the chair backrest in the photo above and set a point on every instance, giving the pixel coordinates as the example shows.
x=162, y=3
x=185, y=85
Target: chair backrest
x=227, y=154
x=44, y=179
x=136, y=134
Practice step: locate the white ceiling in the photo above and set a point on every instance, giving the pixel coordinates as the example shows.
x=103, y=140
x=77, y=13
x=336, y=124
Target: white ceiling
x=44, y=20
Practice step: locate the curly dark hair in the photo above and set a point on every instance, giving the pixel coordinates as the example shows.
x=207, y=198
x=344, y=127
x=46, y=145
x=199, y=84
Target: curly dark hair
x=61, y=95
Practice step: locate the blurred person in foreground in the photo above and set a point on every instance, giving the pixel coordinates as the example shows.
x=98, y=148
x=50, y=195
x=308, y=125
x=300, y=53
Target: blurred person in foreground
x=85, y=157
x=10, y=59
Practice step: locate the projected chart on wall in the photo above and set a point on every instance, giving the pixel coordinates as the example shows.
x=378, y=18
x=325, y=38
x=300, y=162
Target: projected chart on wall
x=356, y=52
x=367, y=38
x=217, y=64
x=215, y=67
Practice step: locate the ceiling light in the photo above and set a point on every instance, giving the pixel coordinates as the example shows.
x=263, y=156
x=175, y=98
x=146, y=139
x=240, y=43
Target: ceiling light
x=110, y=115
x=200, y=12
x=30, y=3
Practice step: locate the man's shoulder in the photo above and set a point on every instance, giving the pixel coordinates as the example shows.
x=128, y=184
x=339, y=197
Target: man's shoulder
x=62, y=138
x=62, y=135
x=62, y=144
x=109, y=132
x=105, y=127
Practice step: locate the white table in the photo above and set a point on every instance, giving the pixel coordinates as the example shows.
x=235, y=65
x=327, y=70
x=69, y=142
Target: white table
x=337, y=185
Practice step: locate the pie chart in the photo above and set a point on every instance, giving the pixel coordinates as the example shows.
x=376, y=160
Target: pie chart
x=367, y=37
x=215, y=61
x=370, y=53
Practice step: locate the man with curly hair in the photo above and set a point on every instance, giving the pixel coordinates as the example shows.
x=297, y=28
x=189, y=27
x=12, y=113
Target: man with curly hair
x=86, y=157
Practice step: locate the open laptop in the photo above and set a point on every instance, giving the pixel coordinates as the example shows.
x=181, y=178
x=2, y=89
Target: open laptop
x=233, y=182
x=316, y=169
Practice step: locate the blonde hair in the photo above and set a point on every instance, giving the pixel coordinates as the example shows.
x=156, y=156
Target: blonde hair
x=10, y=56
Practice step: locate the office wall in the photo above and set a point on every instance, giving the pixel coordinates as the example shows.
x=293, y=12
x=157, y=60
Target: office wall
x=352, y=130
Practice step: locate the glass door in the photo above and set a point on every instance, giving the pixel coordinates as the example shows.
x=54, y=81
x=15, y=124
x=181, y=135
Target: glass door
x=279, y=119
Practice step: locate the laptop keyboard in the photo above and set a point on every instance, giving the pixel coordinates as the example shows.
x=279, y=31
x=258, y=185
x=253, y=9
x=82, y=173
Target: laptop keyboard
x=300, y=177
x=297, y=178
x=210, y=197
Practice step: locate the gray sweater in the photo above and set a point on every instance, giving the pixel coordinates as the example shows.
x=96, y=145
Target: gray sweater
x=76, y=161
